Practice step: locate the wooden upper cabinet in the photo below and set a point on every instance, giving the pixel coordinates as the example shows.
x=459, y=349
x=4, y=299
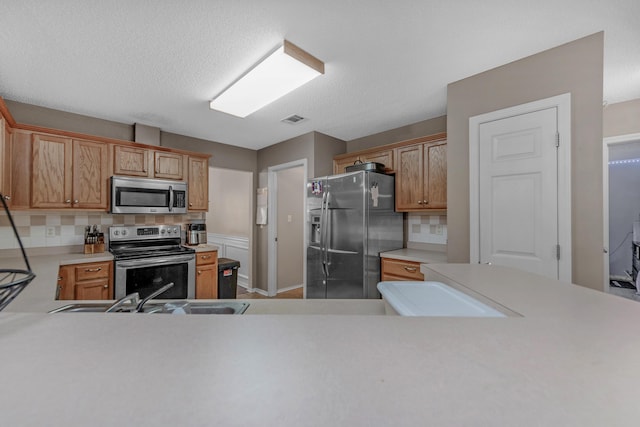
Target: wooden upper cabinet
x=19, y=166
x=198, y=184
x=5, y=177
x=90, y=175
x=339, y=165
x=52, y=172
x=421, y=177
x=435, y=176
x=169, y=165
x=148, y=163
x=68, y=173
x=131, y=161
x=409, y=181
x=384, y=157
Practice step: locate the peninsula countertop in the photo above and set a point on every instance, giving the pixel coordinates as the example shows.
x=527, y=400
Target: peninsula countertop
x=567, y=359
x=416, y=255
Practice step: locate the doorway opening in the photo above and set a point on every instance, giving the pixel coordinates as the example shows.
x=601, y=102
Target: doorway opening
x=286, y=227
x=621, y=197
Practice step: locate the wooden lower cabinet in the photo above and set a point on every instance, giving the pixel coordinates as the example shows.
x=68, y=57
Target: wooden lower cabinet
x=207, y=275
x=395, y=269
x=86, y=281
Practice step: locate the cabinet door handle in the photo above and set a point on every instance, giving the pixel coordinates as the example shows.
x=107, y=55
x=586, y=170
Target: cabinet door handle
x=419, y=202
x=92, y=270
x=205, y=256
x=411, y=269
x=426, y=202
x=105, y=286
x=68, y=201
x=199, y=271
x=7, y=197
x=75, y=201
x=59, y=278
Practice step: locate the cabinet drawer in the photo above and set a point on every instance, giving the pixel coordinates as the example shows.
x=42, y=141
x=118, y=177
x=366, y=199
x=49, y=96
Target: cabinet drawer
x=92, y=271
x=204, y=258
x=407, y=270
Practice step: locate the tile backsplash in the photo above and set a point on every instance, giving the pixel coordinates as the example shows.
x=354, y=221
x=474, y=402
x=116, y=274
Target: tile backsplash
x=48, y=229
x=425, y=228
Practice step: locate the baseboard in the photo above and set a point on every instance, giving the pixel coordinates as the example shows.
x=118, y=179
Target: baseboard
x=290, y=288
x=259, y=291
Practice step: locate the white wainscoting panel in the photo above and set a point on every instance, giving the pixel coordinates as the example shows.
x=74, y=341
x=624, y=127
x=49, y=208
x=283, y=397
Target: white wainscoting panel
x=233, y=247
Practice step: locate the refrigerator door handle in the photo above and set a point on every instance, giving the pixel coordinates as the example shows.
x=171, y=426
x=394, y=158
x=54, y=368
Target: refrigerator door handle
x=322, y=227
x=325, y=227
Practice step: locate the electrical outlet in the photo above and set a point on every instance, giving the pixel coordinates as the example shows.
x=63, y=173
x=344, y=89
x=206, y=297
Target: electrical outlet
x=51, y=231
x=439, y=229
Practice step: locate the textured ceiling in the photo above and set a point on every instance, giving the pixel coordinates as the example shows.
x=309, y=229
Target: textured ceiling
x=388, y=63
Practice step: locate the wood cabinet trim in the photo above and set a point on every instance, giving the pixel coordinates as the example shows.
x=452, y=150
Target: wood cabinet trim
x=429, y=138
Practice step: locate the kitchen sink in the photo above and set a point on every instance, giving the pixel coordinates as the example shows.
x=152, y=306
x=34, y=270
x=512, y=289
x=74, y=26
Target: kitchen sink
x=190, y=307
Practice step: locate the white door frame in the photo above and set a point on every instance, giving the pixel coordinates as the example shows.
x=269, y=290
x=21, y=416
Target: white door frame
x=606, y=143
x=563, y=105
x=272, y=227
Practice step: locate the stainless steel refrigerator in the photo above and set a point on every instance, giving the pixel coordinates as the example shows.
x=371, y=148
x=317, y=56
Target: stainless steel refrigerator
x=351, y=219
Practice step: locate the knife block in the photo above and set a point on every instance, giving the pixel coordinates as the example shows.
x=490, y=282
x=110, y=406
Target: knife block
x=93, y=248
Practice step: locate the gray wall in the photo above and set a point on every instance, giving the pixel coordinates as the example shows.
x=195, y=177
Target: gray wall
x=622, y=118
x=325, y=148
x=575, y=67
x=56, y=119
x=403, y=133
x=300, y=147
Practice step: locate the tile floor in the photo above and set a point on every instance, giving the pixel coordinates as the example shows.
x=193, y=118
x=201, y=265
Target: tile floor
x=625, y=293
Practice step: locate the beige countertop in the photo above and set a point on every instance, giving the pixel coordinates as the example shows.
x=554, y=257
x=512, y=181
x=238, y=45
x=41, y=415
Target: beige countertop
x=569, y=358
x=416, y=255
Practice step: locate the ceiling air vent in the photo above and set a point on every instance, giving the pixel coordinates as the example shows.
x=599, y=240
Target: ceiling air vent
x=292, y=120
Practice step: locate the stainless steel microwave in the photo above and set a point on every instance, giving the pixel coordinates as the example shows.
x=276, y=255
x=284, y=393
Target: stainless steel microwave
x=147, y=196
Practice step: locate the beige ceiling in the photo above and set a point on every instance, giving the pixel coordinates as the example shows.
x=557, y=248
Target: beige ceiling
x=388, y=63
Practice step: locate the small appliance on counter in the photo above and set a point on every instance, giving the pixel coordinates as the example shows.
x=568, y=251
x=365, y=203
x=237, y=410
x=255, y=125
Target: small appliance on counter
x=196, y=234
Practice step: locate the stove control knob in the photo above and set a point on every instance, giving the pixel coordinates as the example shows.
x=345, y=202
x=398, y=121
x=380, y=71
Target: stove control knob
x=163, y=231
x=124, y=232
x=116, y=232
x=175, y=230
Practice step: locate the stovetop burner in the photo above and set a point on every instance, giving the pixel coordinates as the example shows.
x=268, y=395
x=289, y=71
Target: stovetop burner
x=134, y=242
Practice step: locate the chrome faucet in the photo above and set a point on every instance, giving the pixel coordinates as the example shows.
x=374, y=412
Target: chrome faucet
x=132, y=298
x=140, y=306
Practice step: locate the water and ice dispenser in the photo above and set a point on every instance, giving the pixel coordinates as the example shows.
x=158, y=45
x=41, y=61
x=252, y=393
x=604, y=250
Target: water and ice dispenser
x=314, y=235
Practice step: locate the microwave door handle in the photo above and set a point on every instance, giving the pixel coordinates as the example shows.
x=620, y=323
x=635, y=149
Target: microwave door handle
x=170, y=198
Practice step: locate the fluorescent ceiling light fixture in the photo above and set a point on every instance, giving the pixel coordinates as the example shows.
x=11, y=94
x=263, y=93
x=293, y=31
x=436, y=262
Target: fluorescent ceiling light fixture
x=286, y=69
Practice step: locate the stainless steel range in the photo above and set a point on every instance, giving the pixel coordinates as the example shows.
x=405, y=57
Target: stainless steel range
x=149, y=257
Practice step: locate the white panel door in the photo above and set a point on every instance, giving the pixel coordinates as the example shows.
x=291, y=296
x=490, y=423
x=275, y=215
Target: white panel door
x=518, y=192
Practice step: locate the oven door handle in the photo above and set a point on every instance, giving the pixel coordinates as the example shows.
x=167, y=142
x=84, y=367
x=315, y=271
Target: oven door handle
x=155, y=261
